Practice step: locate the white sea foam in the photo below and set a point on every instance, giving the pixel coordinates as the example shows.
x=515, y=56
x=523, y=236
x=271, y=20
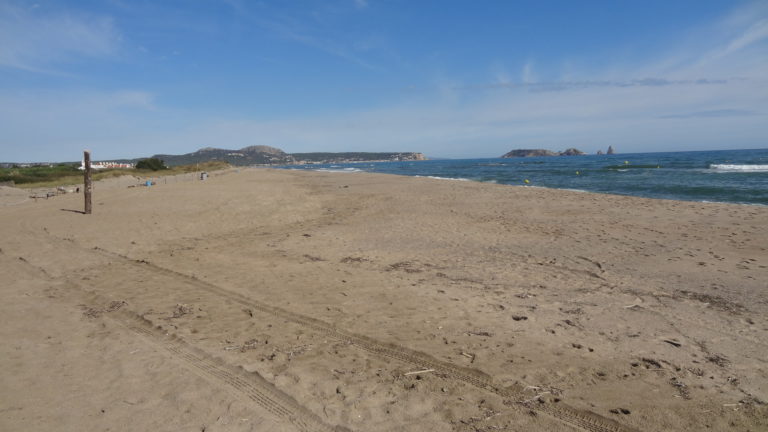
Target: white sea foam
x=739, y=168
x=342, y=170
x=444, y=178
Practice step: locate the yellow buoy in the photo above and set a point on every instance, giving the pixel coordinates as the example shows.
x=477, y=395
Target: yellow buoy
x=577, y=173
x=526, y=181
x=626, y=162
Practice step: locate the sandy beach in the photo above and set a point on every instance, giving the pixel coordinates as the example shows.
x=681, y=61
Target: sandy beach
x=271, y=300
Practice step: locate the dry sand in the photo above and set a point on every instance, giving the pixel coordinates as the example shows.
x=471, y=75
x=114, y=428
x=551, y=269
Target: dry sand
x=281, y=300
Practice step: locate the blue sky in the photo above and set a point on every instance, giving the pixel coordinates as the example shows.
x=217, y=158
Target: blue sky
x=132, y=78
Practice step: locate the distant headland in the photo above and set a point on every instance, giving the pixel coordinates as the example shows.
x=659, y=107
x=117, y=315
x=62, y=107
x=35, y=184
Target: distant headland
x=541, y=152
x=266, y=155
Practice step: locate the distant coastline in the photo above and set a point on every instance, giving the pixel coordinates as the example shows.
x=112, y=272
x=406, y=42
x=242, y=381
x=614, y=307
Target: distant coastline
x=247, y=156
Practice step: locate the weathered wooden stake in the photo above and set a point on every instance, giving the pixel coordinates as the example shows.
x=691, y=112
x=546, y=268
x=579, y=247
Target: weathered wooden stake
x=87, y=182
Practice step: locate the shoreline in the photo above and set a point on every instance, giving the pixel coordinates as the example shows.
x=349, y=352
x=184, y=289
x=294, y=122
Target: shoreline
x=709, y=176
x=304, y=278
x=493, y=182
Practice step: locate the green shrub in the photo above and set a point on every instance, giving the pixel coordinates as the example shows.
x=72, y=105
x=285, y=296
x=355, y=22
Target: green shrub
x=153, y=164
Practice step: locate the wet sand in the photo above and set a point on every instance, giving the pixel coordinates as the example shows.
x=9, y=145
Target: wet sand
x=283, y=300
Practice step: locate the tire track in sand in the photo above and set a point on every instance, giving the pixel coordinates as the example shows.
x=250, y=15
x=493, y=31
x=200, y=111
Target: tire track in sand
x=578, y=418
x=248, y=385
x=251, y=385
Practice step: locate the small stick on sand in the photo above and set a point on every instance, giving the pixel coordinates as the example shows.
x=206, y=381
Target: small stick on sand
x=418, y=372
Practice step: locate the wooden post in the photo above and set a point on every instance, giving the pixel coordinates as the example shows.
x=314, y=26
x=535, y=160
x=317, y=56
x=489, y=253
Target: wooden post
x=88, y=186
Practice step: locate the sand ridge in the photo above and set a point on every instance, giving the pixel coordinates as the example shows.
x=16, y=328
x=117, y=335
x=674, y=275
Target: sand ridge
x=647, y=313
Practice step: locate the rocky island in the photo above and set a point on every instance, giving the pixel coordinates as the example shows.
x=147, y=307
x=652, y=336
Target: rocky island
x=541, y=152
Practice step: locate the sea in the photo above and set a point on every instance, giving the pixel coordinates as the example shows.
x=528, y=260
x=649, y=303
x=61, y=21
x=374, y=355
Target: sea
x=728, y=176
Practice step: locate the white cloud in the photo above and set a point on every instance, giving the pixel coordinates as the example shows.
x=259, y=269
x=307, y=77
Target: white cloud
x=755, y=33
x=33, y=39
x=528, y=75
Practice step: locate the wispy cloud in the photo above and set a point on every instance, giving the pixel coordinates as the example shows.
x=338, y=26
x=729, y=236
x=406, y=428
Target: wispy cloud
x=755, y=33
x=34, y=39
x=570, y=85
x=712, y=114
x=304, y=31
x=528, y=75
x=328, y=46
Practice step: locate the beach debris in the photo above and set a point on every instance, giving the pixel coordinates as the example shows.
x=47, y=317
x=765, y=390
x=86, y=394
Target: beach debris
x=351, y=259
x=672, y=342
x=682, y=388
x=712, y=301
x=634, y=306
x=471, y=357
x=519, y=317
x=180, y=310
x=91, y=312
x=651, y=362
x=297, y=350
x=620, y=411
x=406, y=266
x=249, y=344
x=418, y=372
x=313, y=258
x=115, y=305
x=718, y=359
x=479, y=333
x=537, y=398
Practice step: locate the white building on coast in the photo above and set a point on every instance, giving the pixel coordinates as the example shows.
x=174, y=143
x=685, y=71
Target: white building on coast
x=105, y=165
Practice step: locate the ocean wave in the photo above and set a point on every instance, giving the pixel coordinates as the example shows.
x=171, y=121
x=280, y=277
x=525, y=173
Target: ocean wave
x=444, y=178
x=342, y=170
x=739, y=168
